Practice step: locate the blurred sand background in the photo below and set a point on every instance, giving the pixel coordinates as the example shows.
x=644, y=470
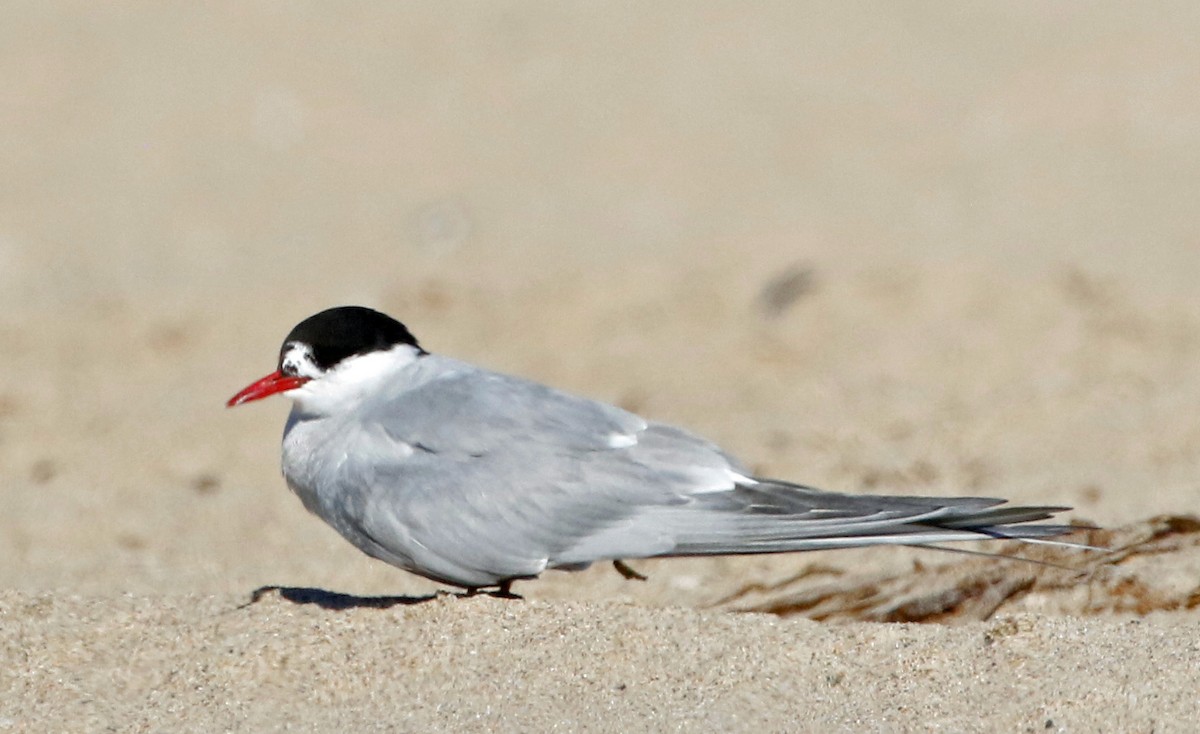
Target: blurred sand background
x=910, y=248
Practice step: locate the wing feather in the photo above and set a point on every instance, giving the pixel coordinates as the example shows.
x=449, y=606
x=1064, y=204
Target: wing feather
x=507, y=477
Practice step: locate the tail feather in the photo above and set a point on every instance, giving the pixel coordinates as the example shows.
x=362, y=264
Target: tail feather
x=769, y=516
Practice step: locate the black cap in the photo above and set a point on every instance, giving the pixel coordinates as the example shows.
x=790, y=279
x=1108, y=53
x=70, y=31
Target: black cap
x=345, y=331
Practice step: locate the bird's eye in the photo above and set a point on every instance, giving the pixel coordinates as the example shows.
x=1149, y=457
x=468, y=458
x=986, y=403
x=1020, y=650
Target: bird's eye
x=294, y=359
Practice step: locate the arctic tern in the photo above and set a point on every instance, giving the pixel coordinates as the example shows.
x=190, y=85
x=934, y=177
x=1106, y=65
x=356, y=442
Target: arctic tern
x=476, y=479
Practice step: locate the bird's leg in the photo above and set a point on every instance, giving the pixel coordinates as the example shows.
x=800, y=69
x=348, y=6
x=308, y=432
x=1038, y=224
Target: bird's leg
x=505, y=590
x=627, y=571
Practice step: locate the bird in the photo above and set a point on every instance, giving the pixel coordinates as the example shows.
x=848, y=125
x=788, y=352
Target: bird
x=476, y=479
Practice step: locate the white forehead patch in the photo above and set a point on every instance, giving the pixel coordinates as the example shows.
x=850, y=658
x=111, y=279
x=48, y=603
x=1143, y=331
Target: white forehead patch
x=298, y=360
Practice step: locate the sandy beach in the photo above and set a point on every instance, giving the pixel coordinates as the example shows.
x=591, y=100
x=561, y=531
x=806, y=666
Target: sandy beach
x=870, y=250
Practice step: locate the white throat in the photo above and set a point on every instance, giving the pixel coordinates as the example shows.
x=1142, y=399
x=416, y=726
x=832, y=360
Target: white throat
x=347, y=384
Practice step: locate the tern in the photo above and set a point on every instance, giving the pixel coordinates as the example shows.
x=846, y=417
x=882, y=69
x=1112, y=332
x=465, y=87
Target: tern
x=476, y=479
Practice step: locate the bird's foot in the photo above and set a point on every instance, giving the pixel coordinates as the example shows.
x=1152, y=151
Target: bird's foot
x=502, y=591
x=505, y=591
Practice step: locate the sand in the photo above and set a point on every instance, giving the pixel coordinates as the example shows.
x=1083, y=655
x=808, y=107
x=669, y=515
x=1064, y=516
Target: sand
x=881, y=250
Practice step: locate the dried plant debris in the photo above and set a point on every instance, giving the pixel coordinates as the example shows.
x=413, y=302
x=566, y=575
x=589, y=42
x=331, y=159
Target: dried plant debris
x=1131, y=573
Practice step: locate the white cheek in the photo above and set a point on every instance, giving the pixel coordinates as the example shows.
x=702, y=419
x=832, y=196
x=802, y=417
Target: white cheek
x=344, y=386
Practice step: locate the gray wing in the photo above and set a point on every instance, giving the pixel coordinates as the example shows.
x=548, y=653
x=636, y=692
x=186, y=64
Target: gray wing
x=507, y=477
x=453, y=408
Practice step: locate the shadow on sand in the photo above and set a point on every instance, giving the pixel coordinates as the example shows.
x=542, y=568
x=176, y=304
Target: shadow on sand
x=336, y=601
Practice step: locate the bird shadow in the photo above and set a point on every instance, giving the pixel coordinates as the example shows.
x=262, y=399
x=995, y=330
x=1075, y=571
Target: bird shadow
x=337, y=601
x=334, y=600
